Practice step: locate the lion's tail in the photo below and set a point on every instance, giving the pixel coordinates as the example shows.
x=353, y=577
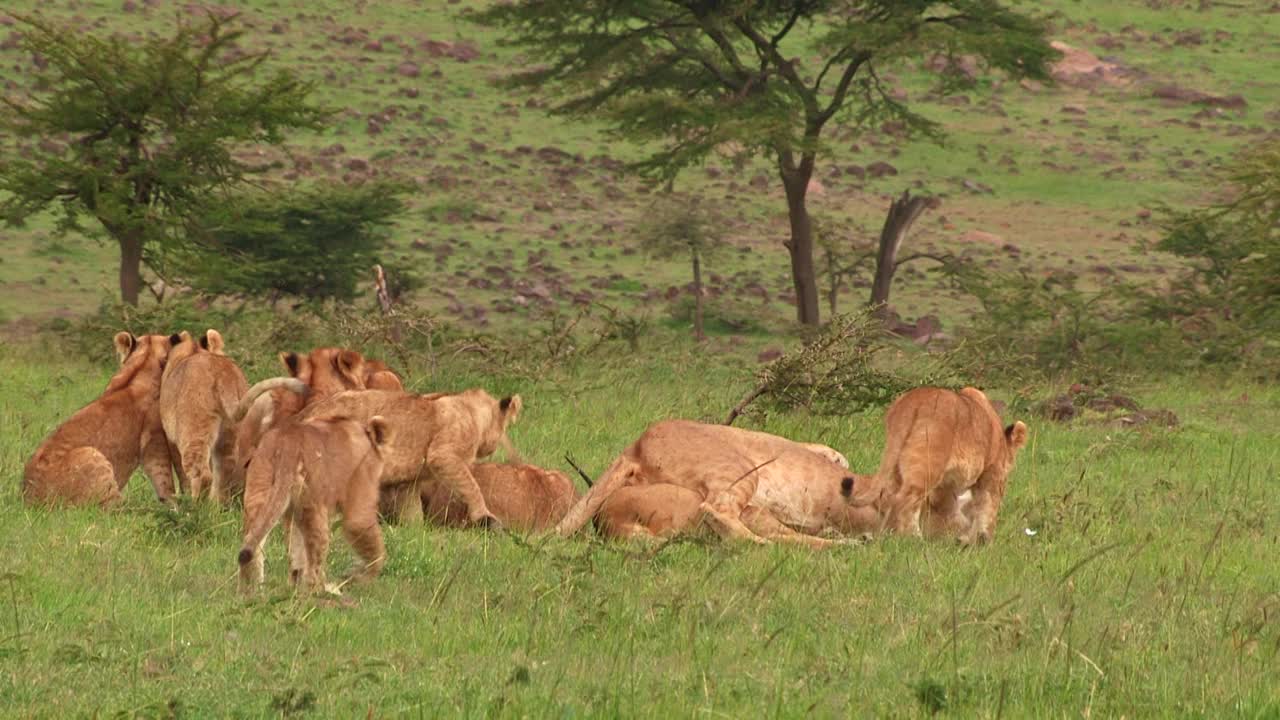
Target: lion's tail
x=288, y=383
x=588, y=505
x=262, y=514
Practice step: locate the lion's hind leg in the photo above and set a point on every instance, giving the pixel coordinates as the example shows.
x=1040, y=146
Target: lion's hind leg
x=723, y=511
x=360, y=522
x=82, y=476
x=312, y=525
x=195, y=454
x=766, y=525
x=988, y=495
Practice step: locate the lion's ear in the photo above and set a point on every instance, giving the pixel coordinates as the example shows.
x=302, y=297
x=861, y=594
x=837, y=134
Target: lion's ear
x=510, y=407
x=1016, y=435
x=177, y=339
x=212, y=341
x=379, y=431
x=350, y=364
x=124, y=342
x=291, y=363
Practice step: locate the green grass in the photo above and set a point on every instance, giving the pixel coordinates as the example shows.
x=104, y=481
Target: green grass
x=1148, y=589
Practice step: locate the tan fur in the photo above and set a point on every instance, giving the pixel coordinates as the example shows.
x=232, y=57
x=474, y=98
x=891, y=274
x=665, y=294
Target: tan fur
x=939, y=445
x=88, y=459
x=440, y=437
x=303, y=471
x=377, y=376
x=200, y=392
x=522, y=497
x=323, y=372
x=744, y=484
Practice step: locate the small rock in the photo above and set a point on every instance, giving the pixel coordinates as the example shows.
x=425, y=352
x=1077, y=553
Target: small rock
x=769, y=355
x=881, y=169
x=408, y=69
x=980, y=236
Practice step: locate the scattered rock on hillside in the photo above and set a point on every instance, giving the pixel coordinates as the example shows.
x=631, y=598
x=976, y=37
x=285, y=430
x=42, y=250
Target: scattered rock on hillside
x=1176, y=94
x=462, y=51
x=408, y=69
x=769, y=355
x=1058, y=409
x=1081, y=68
x=881, y=169
x=980, y=236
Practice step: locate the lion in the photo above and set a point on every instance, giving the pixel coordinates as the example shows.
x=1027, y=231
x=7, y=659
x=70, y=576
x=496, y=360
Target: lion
x=88, y=459
x=939, y=446
x=523, y=497
x=303, y=471
x=745, y=485
x=200, y=392
x=441, y=435
x=322, y=372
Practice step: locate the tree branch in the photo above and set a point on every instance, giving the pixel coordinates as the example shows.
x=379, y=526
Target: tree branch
x=784, y=66
x=943, y=258
x=842, y=87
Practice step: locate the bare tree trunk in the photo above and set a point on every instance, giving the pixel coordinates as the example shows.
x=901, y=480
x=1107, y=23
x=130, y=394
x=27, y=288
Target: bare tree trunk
x=697, y=297
x=384, y=300
x=795, y=180
x=902, y=214
x=130, y=265
x=833, y=282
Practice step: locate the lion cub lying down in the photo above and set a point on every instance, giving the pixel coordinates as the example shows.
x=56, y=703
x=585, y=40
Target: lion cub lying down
x=302, y=471
x=523, y=497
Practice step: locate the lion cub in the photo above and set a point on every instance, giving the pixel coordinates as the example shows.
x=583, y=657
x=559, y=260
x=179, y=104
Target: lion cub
x=302, y=471
x=89, y=458
x=311, y=378
x=523, y=497
x=941, y=444
x=199, y=394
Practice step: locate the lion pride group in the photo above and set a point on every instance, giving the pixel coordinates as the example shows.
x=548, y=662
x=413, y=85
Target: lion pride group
x=338, y=433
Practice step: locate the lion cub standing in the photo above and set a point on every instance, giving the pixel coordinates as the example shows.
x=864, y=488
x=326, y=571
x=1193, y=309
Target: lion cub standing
x=302, y=471
x=88, y=459
x=939, y=445
x=201, y=390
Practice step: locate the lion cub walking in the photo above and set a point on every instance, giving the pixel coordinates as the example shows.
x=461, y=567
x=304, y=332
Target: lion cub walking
x=939, y=445
x=302, y=471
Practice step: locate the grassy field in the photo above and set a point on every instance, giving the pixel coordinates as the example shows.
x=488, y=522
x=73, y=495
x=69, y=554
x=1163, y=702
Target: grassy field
x=1133, y=575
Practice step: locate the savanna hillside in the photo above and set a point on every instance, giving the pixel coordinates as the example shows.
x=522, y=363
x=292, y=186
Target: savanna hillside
x=1133, y=570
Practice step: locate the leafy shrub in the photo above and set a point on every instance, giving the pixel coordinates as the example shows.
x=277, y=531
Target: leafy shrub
x=851, y=364
x=312, y=243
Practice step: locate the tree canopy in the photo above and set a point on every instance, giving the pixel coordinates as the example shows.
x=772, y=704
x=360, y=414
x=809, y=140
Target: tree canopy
x=760, y=76
x=146, y=130
x=313, y=242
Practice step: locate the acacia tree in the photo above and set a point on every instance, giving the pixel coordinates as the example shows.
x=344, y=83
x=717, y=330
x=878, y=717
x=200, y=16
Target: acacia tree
x=681, y=227
x=148, y=128
x=763, y=76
